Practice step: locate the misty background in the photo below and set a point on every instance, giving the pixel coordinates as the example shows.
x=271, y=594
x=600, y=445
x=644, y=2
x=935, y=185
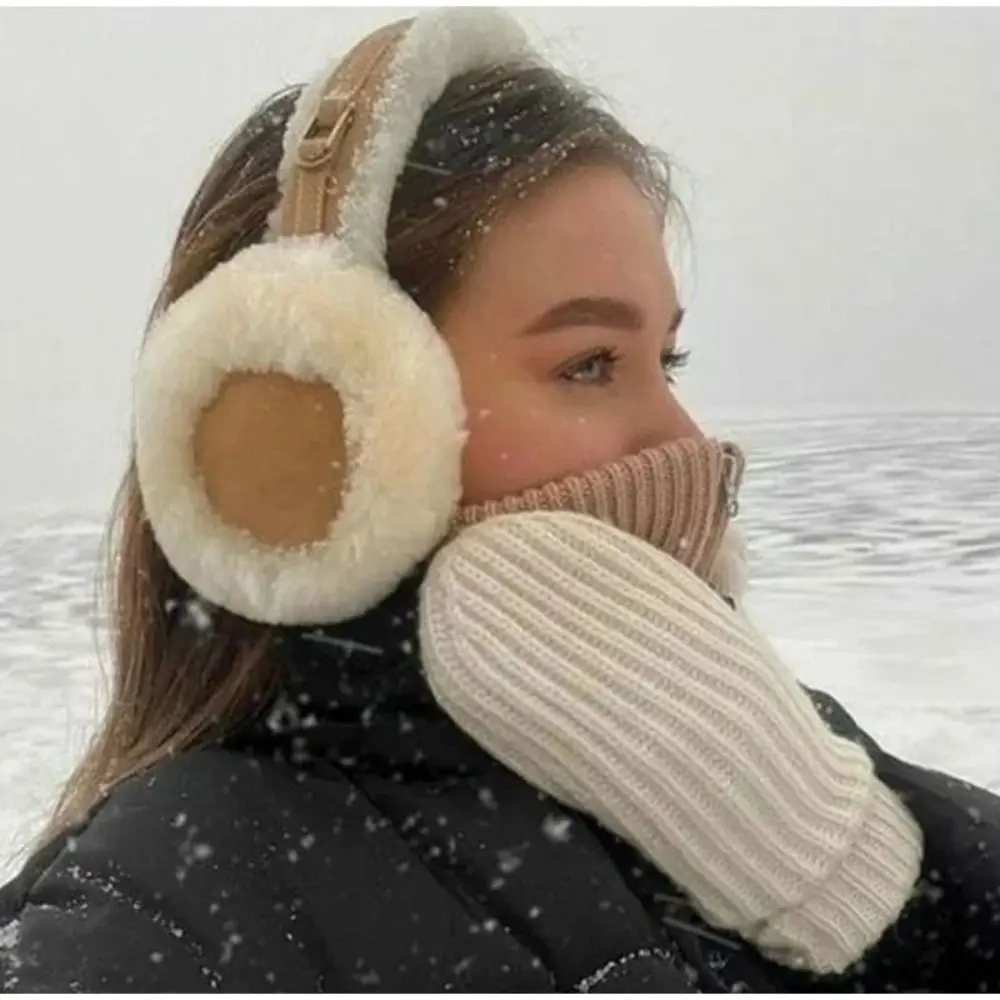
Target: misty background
x=840, y=168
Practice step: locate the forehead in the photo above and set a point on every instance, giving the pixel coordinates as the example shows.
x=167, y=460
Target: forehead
x=588, y=232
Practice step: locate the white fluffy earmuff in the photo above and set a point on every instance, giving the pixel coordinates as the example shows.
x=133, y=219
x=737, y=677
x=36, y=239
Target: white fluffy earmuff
x=314, y=306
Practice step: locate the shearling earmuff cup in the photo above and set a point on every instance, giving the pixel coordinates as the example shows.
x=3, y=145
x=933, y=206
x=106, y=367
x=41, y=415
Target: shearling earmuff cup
x=298, y=419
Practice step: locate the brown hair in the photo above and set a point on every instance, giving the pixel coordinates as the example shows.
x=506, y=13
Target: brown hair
x=491, y=137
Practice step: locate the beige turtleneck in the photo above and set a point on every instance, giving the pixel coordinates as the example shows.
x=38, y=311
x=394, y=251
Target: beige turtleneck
x=677, y=496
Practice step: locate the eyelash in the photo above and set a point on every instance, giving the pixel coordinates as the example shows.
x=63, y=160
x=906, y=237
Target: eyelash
x=671, y=361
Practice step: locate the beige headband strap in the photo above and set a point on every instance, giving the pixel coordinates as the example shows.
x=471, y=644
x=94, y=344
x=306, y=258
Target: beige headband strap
x=348, y=140
x=321, y=167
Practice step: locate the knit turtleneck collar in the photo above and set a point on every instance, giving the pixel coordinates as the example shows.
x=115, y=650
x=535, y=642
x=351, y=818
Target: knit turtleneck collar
x=679, y=496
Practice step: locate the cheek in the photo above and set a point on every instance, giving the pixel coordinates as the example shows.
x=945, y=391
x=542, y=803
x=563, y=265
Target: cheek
x=512, y=449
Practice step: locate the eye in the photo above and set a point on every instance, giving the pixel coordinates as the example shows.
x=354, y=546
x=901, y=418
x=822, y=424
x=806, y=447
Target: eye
x=596, y=368
x=672, y=361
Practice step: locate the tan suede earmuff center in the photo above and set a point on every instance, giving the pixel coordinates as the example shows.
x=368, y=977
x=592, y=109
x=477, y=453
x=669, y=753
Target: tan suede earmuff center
x=327, y=155
x=270, y=451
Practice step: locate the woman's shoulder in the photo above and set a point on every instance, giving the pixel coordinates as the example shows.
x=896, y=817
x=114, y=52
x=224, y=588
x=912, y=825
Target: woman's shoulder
x=218, y=872
x=197, y=809
x=204, y=789
x=201, y=856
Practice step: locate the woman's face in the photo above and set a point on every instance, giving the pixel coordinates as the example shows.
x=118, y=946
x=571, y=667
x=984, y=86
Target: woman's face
x=565, y=336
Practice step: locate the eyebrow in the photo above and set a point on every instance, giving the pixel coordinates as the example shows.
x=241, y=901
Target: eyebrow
x=611, y=313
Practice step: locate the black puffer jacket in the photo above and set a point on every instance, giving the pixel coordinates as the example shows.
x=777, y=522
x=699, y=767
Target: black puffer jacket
x=353, y=839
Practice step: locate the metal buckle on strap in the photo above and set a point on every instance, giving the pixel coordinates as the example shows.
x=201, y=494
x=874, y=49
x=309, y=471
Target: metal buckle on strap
x=334, y=116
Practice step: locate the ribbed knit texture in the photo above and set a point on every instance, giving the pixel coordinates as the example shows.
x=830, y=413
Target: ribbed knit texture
x=607, y=674
x=676, y=496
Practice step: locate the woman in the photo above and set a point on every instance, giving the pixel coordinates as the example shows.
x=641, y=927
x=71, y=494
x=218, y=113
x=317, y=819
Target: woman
x=430, y=669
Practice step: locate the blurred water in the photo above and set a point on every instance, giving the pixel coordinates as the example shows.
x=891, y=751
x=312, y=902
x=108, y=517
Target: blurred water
x=876, y=563
x=876, y=567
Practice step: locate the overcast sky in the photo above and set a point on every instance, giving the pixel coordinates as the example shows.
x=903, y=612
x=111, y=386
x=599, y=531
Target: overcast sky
x=841, y=168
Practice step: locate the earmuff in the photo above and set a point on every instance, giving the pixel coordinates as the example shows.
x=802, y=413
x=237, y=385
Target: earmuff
x=298, y=419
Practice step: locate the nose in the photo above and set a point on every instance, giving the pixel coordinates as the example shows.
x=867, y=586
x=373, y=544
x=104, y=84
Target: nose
x=663, y=418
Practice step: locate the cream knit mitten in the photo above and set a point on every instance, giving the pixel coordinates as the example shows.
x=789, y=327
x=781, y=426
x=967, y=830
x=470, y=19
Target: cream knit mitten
x=610, y=676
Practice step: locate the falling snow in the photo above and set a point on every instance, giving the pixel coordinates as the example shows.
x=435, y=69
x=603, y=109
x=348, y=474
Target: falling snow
x=557, y=828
